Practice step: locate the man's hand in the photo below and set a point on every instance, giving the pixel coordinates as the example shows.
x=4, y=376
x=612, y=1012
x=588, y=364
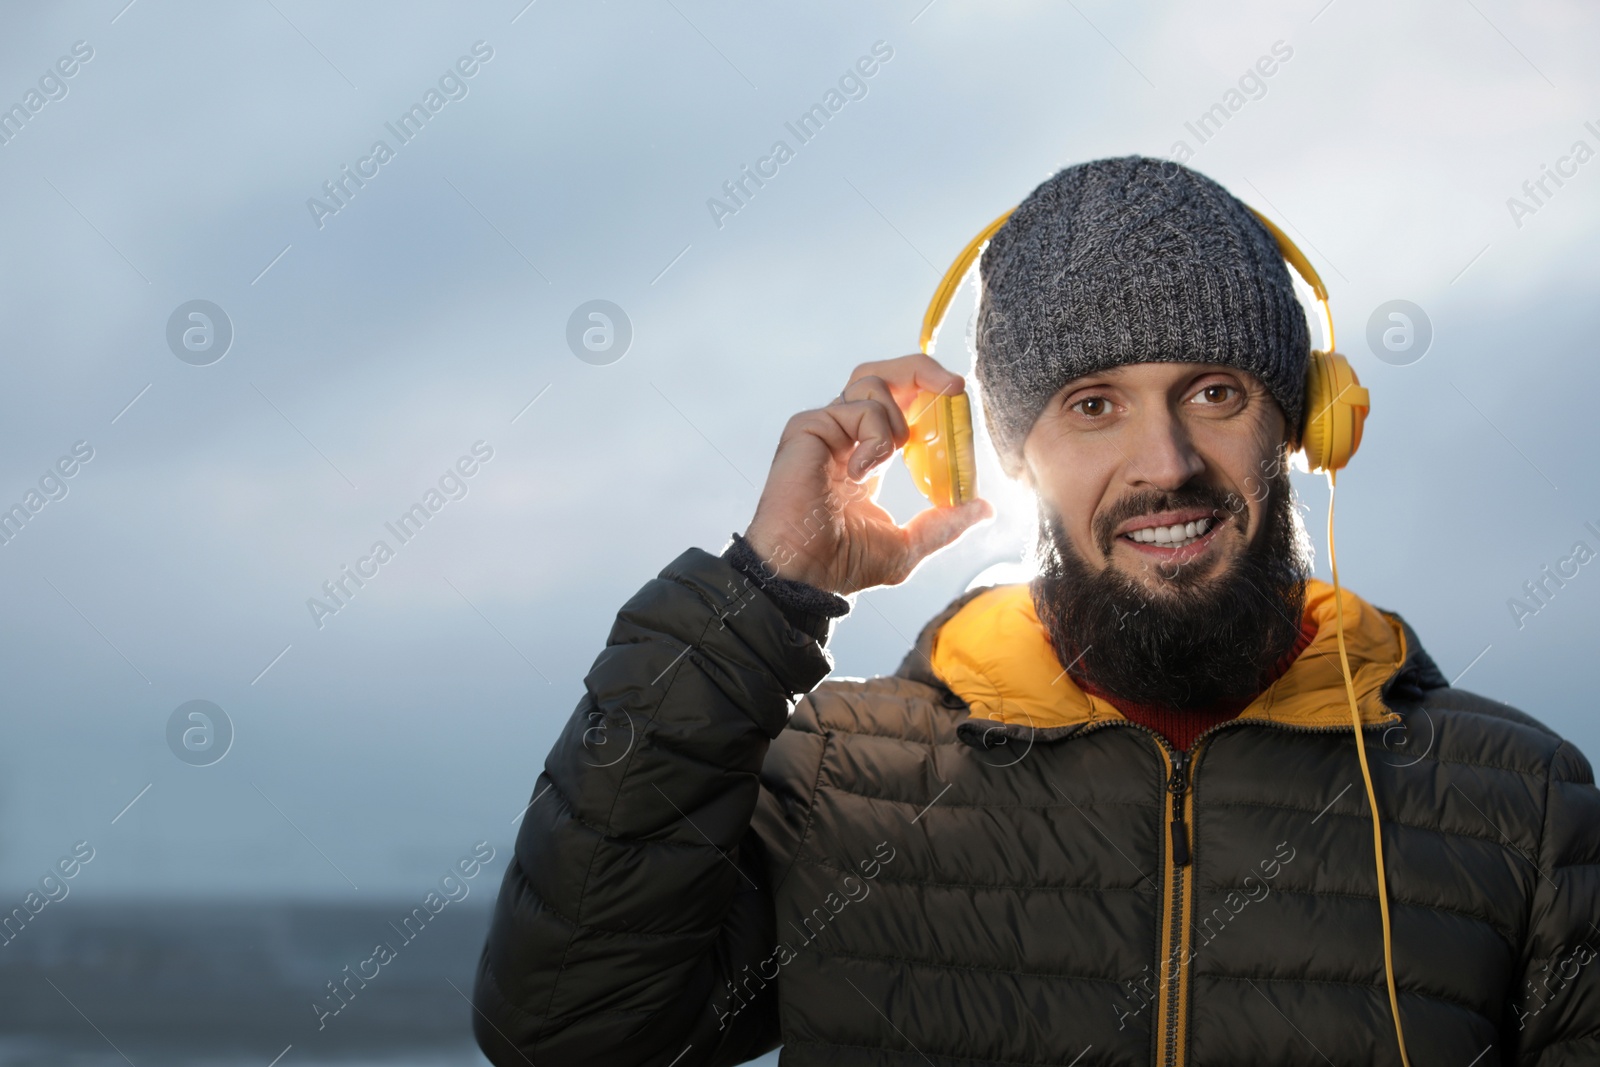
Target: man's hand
x=817, y=521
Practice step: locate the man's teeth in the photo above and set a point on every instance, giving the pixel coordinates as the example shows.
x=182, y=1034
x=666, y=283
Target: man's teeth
x=1175, y=536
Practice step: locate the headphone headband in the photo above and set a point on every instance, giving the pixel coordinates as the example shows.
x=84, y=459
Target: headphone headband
x=952, y=280
x=945, y=294
x=1302, y=266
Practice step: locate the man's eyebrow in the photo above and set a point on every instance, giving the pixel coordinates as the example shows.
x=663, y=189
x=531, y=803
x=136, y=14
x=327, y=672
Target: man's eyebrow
x=1089, y=381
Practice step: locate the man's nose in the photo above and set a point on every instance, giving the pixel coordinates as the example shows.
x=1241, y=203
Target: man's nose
x=1162, y=455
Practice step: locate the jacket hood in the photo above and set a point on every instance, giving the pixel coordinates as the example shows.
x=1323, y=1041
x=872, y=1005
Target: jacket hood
x=990, y=651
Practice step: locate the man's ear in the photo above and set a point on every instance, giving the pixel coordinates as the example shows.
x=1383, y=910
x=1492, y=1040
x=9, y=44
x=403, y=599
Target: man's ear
x=1016, y=468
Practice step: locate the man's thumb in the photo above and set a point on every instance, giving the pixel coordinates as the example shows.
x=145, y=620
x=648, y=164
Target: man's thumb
x=934, y=528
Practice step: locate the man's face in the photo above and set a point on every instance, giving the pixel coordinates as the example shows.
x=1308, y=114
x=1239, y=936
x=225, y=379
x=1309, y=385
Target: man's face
x=1129, y=455
x=1172, y=562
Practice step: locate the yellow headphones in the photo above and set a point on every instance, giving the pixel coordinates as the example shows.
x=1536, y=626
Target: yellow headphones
x=942, y=461
x=940, y=452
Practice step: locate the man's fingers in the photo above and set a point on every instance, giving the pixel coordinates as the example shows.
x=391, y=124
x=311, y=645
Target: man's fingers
x=873, y=387
x=934, y=528
x=907, y=375
x=858, y=433
x=868, y=423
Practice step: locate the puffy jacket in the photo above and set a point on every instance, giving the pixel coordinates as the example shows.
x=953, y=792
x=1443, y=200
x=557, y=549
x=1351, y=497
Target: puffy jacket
x=973, y=862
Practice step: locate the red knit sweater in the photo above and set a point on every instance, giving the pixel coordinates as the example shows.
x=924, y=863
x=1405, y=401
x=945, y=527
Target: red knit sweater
x=1181, y=726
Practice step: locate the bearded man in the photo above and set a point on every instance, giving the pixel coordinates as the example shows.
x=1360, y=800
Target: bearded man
x=1112, y=816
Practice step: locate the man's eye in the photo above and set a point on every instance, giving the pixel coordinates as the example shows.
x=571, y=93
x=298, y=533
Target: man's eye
x=1216, y=394
x=1092, y=406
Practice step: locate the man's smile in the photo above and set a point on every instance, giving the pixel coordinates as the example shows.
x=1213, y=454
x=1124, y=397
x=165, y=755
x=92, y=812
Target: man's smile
x=1172, y=536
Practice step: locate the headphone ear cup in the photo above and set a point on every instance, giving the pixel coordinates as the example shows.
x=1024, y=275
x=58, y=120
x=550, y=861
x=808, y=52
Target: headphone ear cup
x=939, y=453
x=1336, y=409
x=963, y=455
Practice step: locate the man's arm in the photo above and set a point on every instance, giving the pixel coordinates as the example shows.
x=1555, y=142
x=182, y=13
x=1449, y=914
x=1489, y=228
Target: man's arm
x=1553, y=1017
x=636, y=895
x=637, y=889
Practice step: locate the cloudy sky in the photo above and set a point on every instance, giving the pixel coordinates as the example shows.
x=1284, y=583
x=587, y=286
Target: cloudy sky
x=374, y=346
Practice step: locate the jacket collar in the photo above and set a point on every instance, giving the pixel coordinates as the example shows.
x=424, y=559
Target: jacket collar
x=990, y=652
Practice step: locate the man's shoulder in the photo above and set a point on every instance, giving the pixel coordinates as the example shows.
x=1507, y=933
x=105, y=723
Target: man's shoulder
x=1458, y=726
x=888, y=705
x=912, y=703
x=1470, y=728
x=1499, y=717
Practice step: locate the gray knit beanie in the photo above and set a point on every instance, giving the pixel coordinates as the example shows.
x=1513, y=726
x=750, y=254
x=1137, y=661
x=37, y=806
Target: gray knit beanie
x=1130, y=260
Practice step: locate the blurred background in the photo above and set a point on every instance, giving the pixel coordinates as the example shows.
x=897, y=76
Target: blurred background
x=242, y=346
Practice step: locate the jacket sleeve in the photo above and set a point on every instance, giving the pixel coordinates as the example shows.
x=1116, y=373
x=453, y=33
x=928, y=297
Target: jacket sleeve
x=1553, y=1017
x=637, y=890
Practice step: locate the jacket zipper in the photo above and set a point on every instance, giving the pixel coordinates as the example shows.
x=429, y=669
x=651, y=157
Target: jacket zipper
x=1176, y=891
x=1177, y=783
x=1178, y=786
x=1172, y=986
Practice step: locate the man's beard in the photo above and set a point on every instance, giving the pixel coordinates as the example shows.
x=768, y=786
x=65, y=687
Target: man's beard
x=1177, y=637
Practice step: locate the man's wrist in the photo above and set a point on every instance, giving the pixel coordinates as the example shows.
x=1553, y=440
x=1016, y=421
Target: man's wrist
x=778, y=560
x=808, y=608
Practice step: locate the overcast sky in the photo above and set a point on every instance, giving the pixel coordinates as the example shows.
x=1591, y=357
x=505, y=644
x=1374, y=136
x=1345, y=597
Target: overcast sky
x=375, y=345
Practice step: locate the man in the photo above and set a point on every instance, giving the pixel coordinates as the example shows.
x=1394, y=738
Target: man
x=1114, y=816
